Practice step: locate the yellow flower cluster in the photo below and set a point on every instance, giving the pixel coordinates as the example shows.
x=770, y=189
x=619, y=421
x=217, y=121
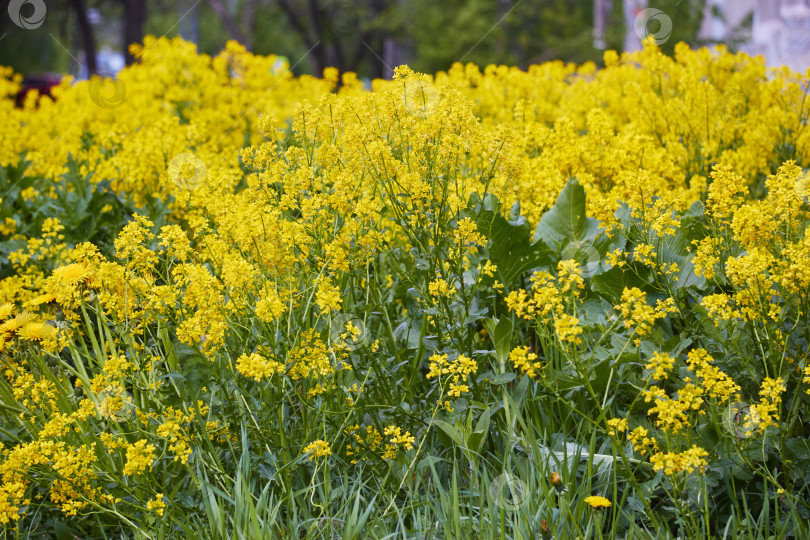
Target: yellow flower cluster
x=362, y=446
x=317, y=449
x=639, y=315
x=157, y=504
x=549, y=295
x=397, y=440
x=280, y=191
x=258, y=367
x=766, y=411
x=660, y=364
x=525, y=361
x=328, y=296
x=686, y=461
x=140, y=457
x=439, y=288
x=456, y=370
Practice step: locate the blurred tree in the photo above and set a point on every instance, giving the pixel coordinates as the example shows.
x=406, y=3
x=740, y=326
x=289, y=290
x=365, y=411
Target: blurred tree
x=346, y=35
x=686, y=17
x=134, y=22
x=44, y=48
x=367, y=36
x=238, y=18
x=88, y=39
x=506, y=32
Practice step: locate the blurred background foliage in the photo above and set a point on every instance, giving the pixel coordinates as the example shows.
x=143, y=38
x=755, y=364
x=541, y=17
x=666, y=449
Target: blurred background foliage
x=369, y=37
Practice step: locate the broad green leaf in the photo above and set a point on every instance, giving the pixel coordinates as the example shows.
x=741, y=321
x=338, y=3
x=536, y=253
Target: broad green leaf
x=571, y=234
x=502, y=378
x=610, y=284
x=511, y=247
x=501, y=335
x=451, y=431
x=566, y=221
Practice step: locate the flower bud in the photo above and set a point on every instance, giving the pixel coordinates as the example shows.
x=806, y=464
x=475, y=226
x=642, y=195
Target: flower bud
x=545, y=531
x=557, y=481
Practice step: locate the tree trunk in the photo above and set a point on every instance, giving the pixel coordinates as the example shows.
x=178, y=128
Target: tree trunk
x=221, y=11
x=134, y=20
x=88, y=41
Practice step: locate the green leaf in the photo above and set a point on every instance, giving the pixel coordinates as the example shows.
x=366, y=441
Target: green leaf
x=571, y=234
x=502, y=378
x=511, y=247
x=799, y=449
x=566, y=221
x=451, y=431
x=475, y=441
x=675, y=251
x=610, y=284
x=501, y=335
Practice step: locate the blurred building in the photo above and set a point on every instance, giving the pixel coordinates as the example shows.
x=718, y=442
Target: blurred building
x=781, y=32
x=777, y=29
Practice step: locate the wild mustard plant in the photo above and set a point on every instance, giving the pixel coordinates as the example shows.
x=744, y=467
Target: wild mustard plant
x=299, y=302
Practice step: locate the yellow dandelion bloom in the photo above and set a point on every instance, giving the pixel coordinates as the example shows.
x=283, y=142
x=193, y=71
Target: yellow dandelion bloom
x=36, y=331
x=595, y=501
x=71, y=274
x=6, y=310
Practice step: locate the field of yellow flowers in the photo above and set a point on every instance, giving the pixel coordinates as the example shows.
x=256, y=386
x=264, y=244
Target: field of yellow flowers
x=564, y=302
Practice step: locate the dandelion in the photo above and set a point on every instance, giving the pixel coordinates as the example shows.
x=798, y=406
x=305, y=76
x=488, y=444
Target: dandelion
x=71, y=274
x=35, y=331
x=597, y=502
x=6, y=311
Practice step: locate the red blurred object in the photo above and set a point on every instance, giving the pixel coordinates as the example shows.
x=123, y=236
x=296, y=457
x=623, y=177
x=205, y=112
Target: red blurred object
x=42, y=82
